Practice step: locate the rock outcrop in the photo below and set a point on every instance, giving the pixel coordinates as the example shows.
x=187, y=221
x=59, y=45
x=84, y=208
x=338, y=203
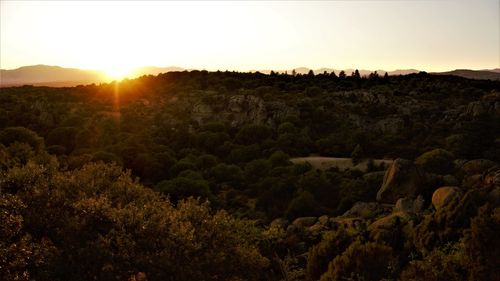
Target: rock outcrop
x=407, y=205
x=236, y=109
x=402, y=179
x=444, y=195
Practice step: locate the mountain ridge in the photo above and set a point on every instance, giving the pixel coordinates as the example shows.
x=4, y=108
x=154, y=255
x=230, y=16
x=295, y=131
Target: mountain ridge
x=57, y=76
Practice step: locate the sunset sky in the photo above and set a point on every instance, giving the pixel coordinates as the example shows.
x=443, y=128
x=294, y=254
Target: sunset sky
x=119, y=36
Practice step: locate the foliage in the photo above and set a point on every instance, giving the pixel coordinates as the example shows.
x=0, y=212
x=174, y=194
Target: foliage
x=360, y=261
x=97, y=223
x=22, y=135
x=333, y=244
x=302, y=205
x=437, y=161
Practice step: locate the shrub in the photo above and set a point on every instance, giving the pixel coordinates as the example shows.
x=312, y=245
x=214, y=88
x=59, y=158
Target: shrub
x=437, y=161
x=361, y=261
x=333, y=244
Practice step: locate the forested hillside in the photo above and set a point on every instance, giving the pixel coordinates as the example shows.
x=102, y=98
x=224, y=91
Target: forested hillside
x=212, y=176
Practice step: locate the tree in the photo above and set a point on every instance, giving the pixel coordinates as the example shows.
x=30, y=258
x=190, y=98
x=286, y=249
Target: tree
x=256, y=170
x=356, y=74
x=225, y=173
x=253, y=134
x=302, y=205
x=310, y=73
x=183, y=187
x=64, y=136
x=11, y=135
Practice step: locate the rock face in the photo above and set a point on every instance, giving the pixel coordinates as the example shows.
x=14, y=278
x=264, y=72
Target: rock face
x=444, y=195
x=246, y=109
x=237, y=109
x=402, y=179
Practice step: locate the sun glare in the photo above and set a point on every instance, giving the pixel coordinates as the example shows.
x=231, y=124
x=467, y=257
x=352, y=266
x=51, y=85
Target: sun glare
x=118, y=72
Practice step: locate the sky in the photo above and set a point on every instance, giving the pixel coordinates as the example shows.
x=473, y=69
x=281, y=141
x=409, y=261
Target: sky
x=117, y=36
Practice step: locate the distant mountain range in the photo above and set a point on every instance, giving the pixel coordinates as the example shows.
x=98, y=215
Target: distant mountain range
x=56, y=76
x=493, y=74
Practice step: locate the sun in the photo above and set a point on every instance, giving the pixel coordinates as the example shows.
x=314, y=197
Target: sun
x=118, y=72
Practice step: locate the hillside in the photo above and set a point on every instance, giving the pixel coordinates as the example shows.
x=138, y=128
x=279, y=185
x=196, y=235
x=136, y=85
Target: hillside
x=49, y=76
x=474, y=74
x=306, y=177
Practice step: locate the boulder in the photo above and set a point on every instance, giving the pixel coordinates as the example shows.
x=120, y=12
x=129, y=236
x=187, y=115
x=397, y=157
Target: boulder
x=419, y=204
x=402, y=179
x=404, y=205
x=444, y=195
x=389, y=221
x=492, y=178
x=347, y=223
x=476, y=166
x=279, y=223
x=476, y=108
x=323, y=220
x=316, y=229
x=304, y=221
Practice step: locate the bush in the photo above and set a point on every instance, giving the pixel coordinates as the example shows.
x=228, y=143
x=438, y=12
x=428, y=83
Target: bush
x=438, y=161
x=361, y=261
x=333, y=244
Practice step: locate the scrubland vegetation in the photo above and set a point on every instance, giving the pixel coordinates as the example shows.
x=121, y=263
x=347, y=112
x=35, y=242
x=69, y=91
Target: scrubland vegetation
x=187, y=176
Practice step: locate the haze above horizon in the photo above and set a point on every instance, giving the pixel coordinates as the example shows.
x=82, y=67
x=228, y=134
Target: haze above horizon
x=118, y=36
